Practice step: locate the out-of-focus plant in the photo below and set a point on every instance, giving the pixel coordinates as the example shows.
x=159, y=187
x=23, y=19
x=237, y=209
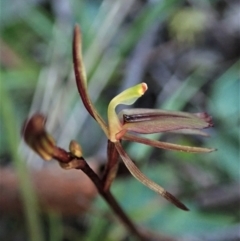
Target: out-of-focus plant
x=119, y=127
x=187, y=25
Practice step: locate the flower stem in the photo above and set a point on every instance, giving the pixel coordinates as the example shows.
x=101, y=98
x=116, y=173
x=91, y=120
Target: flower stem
x=111, y=167
x=79, y=163
x=109, y=198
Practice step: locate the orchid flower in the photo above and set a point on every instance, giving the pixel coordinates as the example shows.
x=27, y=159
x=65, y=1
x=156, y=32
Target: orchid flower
x=128, y=123
x=125, y=125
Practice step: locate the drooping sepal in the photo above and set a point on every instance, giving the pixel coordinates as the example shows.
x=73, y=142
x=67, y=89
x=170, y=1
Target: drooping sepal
x=145, y=180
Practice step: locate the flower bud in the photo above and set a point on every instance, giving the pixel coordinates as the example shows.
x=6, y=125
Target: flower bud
x=37, y=138
x=75, y=149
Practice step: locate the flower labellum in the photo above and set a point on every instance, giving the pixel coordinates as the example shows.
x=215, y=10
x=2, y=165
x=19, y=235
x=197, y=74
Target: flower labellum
x=127, y=97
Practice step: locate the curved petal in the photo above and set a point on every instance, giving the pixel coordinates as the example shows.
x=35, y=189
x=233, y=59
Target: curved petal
x=145, y=180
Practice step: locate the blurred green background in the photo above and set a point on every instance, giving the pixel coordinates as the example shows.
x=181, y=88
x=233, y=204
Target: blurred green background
x=188, y=53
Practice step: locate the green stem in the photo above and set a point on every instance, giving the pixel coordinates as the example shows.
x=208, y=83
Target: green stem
x=55, y=226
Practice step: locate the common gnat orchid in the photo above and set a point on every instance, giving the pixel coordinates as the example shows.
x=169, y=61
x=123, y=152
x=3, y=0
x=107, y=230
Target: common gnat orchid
x=125, y=125
x=128, y=123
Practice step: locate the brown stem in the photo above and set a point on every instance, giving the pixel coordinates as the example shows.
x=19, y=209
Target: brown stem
x=37, y=138
x=111, y=167
x=111, y=201
x=79, y=163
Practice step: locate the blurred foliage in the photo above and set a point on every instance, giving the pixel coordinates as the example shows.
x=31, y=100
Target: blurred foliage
x=193, y=22
x=188, y=54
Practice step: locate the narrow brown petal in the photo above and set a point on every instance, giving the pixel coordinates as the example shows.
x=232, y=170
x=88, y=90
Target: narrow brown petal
x=141, y=114
x=80, y=70
x=145, y=180
x=166, y=145
x=175, y=201
x=81, y=79
x=146, y=121
x=164, y=125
